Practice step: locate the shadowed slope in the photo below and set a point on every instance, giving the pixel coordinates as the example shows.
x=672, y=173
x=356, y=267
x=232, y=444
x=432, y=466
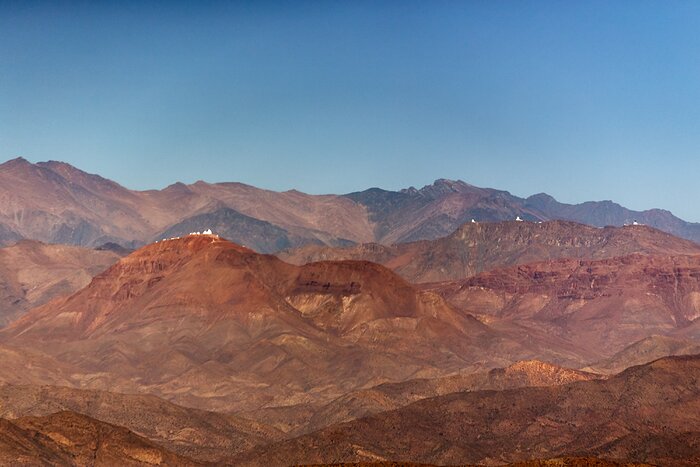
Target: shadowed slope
x=646, y=350
x=648, y=413
x=67, y=438
x=389, y=396
x=201, y=435
x=207, y=323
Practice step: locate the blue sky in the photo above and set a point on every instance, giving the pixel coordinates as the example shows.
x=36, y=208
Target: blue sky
x=583, y=100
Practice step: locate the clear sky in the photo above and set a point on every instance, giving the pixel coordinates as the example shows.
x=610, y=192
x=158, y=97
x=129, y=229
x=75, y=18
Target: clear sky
x=583, y=100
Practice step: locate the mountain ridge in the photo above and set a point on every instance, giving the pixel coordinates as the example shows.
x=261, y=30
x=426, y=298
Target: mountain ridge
x=242, y=330
x=58, y=203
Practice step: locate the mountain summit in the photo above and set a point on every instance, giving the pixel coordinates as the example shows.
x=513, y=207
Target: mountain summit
x=57, y=203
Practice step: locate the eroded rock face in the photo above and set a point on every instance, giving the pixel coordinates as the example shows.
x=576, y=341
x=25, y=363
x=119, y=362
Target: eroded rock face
x=645, y=414
x=68, y=438
x=211, y=324
x=605, y=305
x=480, y=247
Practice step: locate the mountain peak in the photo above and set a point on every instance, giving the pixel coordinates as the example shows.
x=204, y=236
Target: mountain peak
x=15, y=163
x=17, y=160
x=190, y=243
x=178, y=187
x=541, y=199
x=443, y=186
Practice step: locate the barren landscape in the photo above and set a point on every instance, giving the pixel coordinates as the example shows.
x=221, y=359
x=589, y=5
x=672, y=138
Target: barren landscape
x=501, y=342
x=349, y=234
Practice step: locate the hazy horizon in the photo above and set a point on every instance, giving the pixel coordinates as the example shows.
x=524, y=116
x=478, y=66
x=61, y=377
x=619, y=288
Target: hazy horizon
x=585, y=102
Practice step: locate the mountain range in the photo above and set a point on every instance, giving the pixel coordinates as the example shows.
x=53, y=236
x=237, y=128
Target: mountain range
x=225, y=345
x=55, y=202
x=241, y=330
x=420, y=325
x=648, y=413
x=477, y=247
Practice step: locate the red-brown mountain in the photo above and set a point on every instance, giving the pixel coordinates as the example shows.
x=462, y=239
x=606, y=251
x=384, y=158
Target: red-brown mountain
x=649, y=413
x=603, y=305
x=646, y=350
x=68, y=438
x=437, y=210
x=207, y=323
x=32, y=273
x=303, y=418
x=478, y=247
x=55, y=202
x=197, y=434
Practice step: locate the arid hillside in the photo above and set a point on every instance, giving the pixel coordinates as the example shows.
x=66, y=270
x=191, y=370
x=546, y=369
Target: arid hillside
x=32, y=273
x=604, y=305
x=207, y=323
x=68, y=438
x=648, y=413
x=479, y=247
x=303, y=418
x=58, y=203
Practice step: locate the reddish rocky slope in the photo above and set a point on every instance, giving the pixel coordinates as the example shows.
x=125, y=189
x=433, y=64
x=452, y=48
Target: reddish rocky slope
x=478, y=247
x=32, y=273
x=207, y=323
x=603, y=305
x=648, y=413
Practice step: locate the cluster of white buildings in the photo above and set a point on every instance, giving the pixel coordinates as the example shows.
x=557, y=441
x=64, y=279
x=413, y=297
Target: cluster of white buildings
x=206, y=232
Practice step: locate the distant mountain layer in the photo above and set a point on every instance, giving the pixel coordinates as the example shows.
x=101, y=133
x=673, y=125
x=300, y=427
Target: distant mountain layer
x=32, y=273
x=57, y=203
x=482, y=246
x=438, y=209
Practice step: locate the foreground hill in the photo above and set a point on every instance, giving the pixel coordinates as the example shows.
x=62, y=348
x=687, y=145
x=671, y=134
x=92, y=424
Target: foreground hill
x=649, y=413
x=478, y=247
x=303, y=418
x=558, y=462
x=57, y=203
x=67, y=438
x=210, y=324
x=32, y=273
x=604, y=305
x=197, y=434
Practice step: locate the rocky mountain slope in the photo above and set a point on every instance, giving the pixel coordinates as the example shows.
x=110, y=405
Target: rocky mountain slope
x=68, y=438
x=604, y=305
x=304, y=418
x=648, y=413
x=207, y=323
x=197, y=434
x=646, y=350
x=478, y=247
x=57, y=203
x=32, y=273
